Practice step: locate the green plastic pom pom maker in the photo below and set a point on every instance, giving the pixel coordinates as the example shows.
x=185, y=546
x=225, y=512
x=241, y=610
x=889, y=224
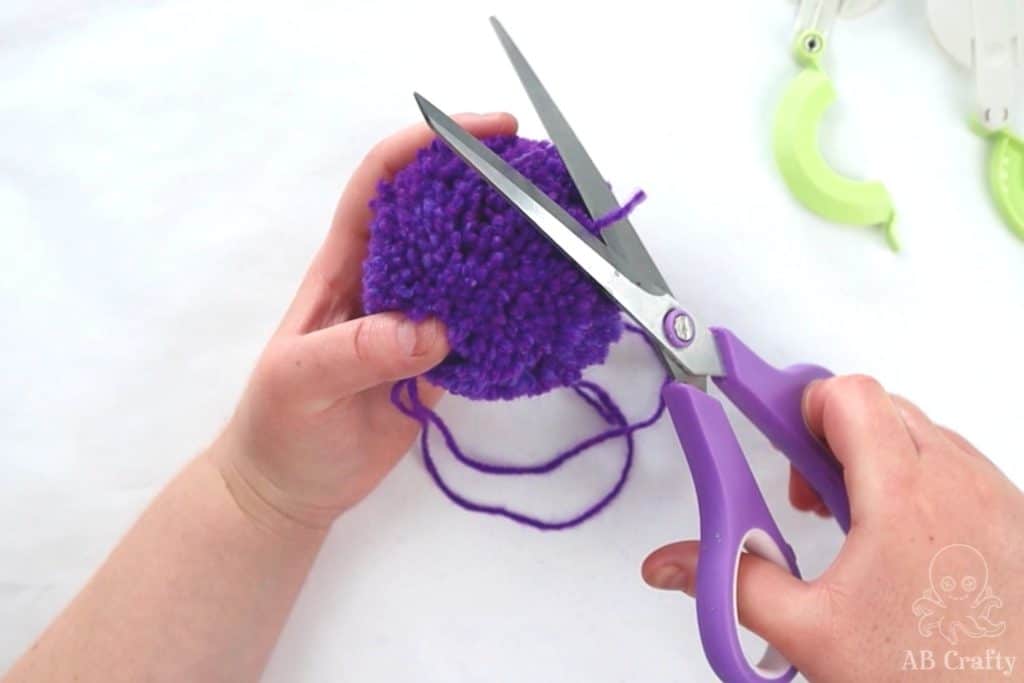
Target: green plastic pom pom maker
x=798, y=121
x=985, y=36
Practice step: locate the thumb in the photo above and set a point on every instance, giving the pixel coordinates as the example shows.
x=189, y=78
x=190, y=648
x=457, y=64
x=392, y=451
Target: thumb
x=355, y=355
x=770, y=601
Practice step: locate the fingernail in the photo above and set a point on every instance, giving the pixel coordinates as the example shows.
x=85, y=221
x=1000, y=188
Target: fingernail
x=427, y=333
x=416, y=339
x=812, y=386
x=808, y=392
x=670, y=577
x=407, y=337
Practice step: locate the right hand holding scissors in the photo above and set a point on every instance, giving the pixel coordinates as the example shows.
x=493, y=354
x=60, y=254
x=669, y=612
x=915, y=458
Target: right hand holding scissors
x=934, y=559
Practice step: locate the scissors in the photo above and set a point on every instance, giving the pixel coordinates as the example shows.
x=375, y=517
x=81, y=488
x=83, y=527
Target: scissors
x=733, y=514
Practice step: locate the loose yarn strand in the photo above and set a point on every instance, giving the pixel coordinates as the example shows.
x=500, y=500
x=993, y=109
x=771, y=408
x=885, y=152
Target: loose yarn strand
x=617, y=215
x=592, y=393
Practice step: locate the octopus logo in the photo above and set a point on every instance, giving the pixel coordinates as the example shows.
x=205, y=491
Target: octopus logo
x=960, y=600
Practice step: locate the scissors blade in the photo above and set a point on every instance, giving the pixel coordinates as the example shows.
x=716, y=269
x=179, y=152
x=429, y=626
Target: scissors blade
x=633, y=257
x=649, y=310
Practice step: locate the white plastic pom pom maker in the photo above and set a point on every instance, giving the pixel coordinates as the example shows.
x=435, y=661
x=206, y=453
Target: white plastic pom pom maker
x=985, y=36
x=809, y=177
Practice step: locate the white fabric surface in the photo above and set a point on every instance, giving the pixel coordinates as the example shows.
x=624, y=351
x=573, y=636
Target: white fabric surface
x=168, y=169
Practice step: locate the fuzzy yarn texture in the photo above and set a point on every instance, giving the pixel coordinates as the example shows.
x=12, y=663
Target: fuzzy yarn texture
x=521, y=318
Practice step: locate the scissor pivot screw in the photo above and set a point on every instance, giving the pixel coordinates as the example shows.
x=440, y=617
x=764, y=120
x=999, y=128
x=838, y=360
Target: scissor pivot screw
x=680, y=328
x=683, y=326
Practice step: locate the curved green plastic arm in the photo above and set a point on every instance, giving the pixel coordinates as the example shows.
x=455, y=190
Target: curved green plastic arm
x=1006, y=176
x=796, y=142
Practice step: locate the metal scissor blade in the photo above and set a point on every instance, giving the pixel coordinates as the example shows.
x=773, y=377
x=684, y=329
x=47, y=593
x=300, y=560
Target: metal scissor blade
x=589, y=253
x=632, y=256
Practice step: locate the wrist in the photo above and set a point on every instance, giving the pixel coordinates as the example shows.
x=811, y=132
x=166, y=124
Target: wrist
x=259, y=498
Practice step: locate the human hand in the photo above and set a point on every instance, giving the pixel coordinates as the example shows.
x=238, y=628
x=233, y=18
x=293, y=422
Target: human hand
x=315, y=431
x=930, y=579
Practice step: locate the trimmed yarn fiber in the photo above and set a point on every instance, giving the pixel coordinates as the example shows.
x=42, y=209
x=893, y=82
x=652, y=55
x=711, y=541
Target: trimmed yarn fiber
x=521, y=318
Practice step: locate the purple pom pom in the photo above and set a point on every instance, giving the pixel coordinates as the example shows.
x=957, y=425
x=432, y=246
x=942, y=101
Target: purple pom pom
x=521, y=318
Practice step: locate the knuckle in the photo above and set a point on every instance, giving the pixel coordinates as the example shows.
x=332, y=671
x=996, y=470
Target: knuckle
x=373, y=341
x=982, y=485
x=363, y=339
x=841, y=392
x=953, y=435
x=858, y=385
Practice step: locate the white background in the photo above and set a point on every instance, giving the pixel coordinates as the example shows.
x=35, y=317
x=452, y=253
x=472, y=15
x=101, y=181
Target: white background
x=168, y=169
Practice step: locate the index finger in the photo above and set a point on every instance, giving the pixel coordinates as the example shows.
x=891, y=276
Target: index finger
x=803, y=497
x=862, y=426
x=330, y=291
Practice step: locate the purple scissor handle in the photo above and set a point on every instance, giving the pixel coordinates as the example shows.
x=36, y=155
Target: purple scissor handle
x=733, y=513
x=772, y=399
x=733, y=516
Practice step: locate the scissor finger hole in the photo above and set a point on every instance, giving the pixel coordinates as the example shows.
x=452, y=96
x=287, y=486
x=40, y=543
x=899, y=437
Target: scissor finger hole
x=765, y=659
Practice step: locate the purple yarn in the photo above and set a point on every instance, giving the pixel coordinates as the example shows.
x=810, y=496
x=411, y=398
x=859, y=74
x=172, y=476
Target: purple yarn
x=521, y=319
x=601, y=402
x=618, y=214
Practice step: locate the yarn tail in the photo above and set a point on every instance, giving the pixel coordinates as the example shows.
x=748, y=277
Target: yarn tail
x=599, y=224
x=593, y=394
